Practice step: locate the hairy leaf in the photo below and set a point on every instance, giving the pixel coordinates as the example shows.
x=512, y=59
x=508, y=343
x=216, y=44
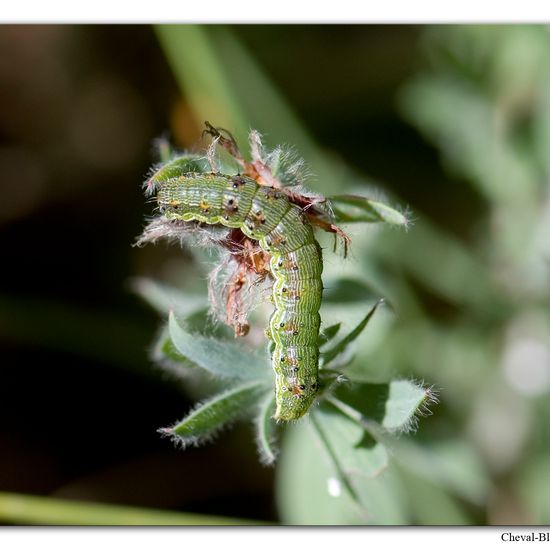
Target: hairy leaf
x=393, y=406
x=350, y=208
x=210, y=416
x=221, y=358
x=405, y=399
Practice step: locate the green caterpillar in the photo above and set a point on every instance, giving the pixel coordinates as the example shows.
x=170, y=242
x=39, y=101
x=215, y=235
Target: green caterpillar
x=266, y=215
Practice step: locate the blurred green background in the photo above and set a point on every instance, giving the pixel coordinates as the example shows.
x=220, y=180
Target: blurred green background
x=450, y=122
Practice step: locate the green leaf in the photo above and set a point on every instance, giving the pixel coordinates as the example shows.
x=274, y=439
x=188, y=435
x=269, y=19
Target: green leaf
x=351, y=209
x=164, y=298
x=405, y=399
x=310, y=492
x=210, y=416
x=327, y=334
x=195, y=382
x=221, y=358
x=164, y=349
x=305, y=483
x=352, y=449
x=265, y=431
x=343, y=345
x=168, y=358
x=393, y=406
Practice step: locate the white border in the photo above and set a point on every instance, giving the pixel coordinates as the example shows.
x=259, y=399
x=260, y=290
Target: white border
x=265, y=11
x=274, y=11
x=234, y=538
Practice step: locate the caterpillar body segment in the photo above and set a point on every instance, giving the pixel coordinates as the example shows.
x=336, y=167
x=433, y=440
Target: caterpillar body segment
x=175, y=167
x=266, y=215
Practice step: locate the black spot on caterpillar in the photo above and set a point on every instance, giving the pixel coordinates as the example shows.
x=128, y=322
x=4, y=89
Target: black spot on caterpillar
x=267, y=216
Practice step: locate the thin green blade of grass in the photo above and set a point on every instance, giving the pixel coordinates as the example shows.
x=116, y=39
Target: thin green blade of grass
x=200, y=76
x=25, y=509
x=225, y=85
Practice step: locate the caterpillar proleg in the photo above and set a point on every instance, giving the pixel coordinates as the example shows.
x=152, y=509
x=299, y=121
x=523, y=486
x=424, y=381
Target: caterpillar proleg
x=266, y=215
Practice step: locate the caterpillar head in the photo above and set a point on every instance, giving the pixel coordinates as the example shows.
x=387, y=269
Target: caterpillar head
x=294, y=396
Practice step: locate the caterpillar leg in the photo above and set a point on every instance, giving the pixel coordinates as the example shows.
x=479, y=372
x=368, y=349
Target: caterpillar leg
x=331, y=228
